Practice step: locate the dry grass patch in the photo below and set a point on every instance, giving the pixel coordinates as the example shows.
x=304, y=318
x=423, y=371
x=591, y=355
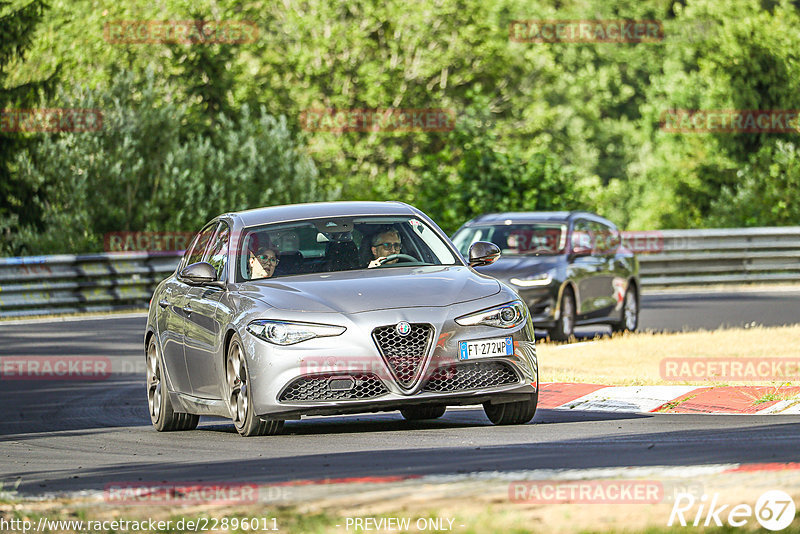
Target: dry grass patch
x=634, y=359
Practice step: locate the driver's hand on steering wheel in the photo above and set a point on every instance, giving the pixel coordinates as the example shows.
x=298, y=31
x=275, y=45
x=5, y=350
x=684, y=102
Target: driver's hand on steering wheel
x=377, y=262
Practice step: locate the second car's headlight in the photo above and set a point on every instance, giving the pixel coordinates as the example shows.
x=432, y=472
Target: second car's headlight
x=506, y=316
x=289, y=333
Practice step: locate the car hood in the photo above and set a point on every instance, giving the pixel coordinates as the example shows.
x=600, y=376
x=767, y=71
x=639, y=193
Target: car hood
x=520, y=266
x=373, y=289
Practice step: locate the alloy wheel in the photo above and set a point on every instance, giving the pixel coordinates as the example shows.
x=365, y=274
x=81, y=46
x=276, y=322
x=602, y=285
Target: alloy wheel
x=237, y=385
x=567, y=316
x=631, y=316
x=154, y=384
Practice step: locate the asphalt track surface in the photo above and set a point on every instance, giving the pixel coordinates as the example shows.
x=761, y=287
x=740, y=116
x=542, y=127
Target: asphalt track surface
x=74, y=435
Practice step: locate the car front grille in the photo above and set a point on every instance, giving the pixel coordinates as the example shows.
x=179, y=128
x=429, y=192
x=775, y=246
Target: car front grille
x=464, y=376
x=404, y=354
x=333, y=387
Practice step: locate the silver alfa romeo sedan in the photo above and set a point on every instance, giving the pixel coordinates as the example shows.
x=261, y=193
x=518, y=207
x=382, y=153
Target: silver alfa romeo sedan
x=334, y=308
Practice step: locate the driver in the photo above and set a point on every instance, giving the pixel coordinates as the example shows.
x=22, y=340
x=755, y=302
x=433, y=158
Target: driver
x=384, y=244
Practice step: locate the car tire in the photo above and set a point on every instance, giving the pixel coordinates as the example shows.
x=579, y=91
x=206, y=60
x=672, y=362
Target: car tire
x=237, y=380
x=629, y=321
x=565, y=325
x=418, y=413
x=512, y=413
x=162, y=414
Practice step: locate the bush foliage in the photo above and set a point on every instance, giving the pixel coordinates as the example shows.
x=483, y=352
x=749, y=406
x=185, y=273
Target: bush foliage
x=194, y=130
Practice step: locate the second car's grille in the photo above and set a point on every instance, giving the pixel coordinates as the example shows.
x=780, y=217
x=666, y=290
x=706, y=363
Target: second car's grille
x=476, y=375
x=334, y=387
x=404, y=354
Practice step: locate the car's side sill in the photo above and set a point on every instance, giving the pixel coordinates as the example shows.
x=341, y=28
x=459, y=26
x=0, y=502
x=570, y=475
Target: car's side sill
x=198, y=406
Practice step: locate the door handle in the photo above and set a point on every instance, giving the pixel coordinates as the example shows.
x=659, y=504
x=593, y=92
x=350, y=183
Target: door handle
x=187, y=309
x=163, y=303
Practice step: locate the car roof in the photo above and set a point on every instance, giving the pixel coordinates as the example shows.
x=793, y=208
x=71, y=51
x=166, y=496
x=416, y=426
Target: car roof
x=314, y=210
x=534, y=216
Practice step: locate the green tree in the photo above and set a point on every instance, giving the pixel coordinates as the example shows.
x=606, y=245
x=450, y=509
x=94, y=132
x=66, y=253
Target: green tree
x=17, y=28
x=530, y=115
x=484, y=179
x=767, y=190
x=746, y=60
x=140, y=173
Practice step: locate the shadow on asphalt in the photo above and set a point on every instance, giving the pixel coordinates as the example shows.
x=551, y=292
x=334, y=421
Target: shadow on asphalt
x=394, y=422
x=637, y=448
x=36, y=408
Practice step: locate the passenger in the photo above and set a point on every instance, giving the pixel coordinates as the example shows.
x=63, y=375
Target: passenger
x=384, y=244
x=263, y=263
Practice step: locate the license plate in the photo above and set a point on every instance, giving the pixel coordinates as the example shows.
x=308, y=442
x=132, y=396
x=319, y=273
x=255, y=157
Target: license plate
x=485, y=348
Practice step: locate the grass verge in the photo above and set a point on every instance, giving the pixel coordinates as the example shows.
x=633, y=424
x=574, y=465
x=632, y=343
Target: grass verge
x=635, y=359
x=466, y=507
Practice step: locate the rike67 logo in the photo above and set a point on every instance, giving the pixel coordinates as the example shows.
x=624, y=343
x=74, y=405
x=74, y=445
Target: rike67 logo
x=774, y=510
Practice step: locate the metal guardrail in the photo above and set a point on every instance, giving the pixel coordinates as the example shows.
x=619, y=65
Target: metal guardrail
x=40, y=285
x=722, y=256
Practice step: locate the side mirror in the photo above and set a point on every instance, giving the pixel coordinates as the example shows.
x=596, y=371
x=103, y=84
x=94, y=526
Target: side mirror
x=198, y=274
x=483, y=253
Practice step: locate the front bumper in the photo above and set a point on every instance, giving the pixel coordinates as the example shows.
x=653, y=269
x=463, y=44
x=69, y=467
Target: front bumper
x=392, y=402
x=328, y=362
x=542, y=304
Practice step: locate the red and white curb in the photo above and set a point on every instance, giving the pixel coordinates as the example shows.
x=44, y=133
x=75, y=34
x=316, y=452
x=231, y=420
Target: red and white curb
x=681, y=471
x=753, y=400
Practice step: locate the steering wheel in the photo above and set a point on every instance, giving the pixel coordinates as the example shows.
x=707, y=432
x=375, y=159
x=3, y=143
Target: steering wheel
x=399, y=257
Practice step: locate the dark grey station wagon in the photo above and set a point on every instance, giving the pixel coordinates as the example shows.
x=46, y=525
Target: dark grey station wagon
x=570, y=268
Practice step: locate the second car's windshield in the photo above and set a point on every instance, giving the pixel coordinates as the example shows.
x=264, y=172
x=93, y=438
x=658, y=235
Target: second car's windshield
x=339, y=244
x=515, y=238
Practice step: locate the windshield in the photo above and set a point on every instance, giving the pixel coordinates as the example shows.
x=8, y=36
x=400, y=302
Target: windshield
x=515, y=239
x=339, y=244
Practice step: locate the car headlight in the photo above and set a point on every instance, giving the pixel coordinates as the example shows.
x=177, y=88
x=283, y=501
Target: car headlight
x=506, y=316
x=289, y=333
x=537, y=280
